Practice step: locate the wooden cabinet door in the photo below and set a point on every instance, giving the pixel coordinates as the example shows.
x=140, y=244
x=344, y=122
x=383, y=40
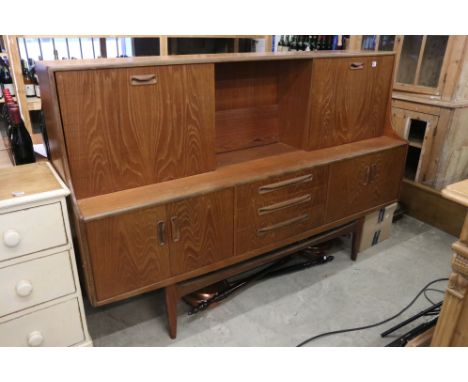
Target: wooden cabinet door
x=128, y=252
x=202, y=230
x=364, y=182
x=128, y=127
x=349, y=99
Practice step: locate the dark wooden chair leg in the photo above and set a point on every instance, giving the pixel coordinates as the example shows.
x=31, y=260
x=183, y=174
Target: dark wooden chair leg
x=171, y=309
x=357, y=234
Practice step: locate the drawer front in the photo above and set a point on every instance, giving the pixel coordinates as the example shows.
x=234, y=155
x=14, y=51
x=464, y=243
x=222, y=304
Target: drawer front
x=279, y=208
x=31, y=230
x=58, y=325
x=364, y=182
x=33, y=282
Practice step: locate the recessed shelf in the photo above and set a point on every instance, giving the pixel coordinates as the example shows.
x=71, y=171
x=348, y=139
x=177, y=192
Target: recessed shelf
x=252, y=153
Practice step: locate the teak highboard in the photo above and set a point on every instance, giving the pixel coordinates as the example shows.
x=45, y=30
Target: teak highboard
x=181, y=167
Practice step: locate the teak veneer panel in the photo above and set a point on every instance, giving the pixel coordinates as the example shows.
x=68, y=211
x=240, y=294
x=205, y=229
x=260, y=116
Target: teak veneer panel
x=355, y=185
x=348, y=105
x=201, y=230
x=126, y=253
x=120, y=135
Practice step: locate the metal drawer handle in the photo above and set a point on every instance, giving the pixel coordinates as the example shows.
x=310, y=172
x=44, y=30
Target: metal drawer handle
x=175, y=229
x=143, y=79
x=356, y=66
x=285, y=204
x=285, y=183
x=162, y=232
x=286, y=223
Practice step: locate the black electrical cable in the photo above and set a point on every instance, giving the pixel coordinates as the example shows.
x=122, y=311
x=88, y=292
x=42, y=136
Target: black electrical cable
x=431, y=290
x=376, y=324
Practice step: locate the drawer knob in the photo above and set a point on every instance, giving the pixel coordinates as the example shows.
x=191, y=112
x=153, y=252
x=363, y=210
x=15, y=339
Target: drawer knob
x=35, y=338
x=24, y=288
x=11, y=238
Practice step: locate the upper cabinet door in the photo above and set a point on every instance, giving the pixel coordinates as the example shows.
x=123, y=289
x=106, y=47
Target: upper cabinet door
x=364, y=182
x=202, y=230
x=129, y=127
x=349, y=99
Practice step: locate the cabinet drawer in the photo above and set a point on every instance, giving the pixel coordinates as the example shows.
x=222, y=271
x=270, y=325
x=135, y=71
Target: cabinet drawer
x=31, y=230
x=278, y=208
x=58, y=325
x=279, y=188
x=33, y=282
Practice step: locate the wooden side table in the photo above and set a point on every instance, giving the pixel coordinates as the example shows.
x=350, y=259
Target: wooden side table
x=452, y=326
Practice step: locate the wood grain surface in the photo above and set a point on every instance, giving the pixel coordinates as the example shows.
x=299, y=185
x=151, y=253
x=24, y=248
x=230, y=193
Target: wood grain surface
x=246, y=96
x=228, y=176
x=364, y=182
x=348, y=105
x=266, y=218
x=125, y=252
x=31, y=179
x=121, y=136
x=205, y=229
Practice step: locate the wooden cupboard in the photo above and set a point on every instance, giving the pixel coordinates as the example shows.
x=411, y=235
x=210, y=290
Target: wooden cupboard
x=164, y=128
x=210, y=161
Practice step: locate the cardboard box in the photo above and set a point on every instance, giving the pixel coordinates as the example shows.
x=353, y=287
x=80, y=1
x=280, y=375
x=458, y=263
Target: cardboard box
x=377, y=226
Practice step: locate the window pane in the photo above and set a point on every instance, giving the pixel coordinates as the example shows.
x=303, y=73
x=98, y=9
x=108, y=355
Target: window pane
x=61, y=49
x=409, y=59
x=87, y=47
x=125, y=46
x=74, y=48
x=32, y=46
x=111, y=46
x=97, y=47
x=433, y=57
x=368, y=42
x=47, y=48
x=386, y=43
x=22, y=48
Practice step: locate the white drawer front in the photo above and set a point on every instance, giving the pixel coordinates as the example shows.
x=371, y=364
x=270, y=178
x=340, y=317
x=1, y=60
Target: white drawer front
x=58, y=325
x=31, y=230
x=33, y=282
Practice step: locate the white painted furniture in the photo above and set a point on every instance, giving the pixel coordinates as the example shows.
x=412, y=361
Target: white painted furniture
x=40, y=296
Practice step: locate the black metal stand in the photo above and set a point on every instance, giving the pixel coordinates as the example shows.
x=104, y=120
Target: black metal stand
x=433, y=310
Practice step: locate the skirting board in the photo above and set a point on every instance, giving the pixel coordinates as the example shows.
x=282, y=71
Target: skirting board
x=428, y=205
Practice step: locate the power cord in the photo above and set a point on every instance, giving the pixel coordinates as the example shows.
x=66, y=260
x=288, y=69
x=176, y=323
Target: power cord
x=431, y=290
x=376, y=324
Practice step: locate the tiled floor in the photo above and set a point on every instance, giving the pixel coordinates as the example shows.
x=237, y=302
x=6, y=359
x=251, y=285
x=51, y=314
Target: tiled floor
x=284, y=311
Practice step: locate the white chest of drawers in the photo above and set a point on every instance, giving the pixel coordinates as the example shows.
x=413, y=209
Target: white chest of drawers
x=40, y=295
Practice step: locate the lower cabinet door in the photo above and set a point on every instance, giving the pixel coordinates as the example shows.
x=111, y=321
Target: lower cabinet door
x=201, y=230
x=364, y=182
x=128, y=252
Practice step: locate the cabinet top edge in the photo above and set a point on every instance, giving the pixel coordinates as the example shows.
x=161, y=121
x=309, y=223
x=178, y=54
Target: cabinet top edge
x=200, y=59
x=100, y=206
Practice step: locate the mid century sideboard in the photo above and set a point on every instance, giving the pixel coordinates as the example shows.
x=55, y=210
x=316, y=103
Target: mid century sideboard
x=183, y=166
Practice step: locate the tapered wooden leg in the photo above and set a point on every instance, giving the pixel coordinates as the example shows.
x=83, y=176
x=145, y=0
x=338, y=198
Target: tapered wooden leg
x=171, y=309
x=357, y=234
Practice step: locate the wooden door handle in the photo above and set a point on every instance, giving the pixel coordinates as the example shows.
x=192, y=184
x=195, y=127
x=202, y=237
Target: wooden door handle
x=175, y=229
x=162, y=232
x=285, y=204
x=356, y=66
x=367, y=175
x=285, y=183
x=373, y=173
x=143, y=79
